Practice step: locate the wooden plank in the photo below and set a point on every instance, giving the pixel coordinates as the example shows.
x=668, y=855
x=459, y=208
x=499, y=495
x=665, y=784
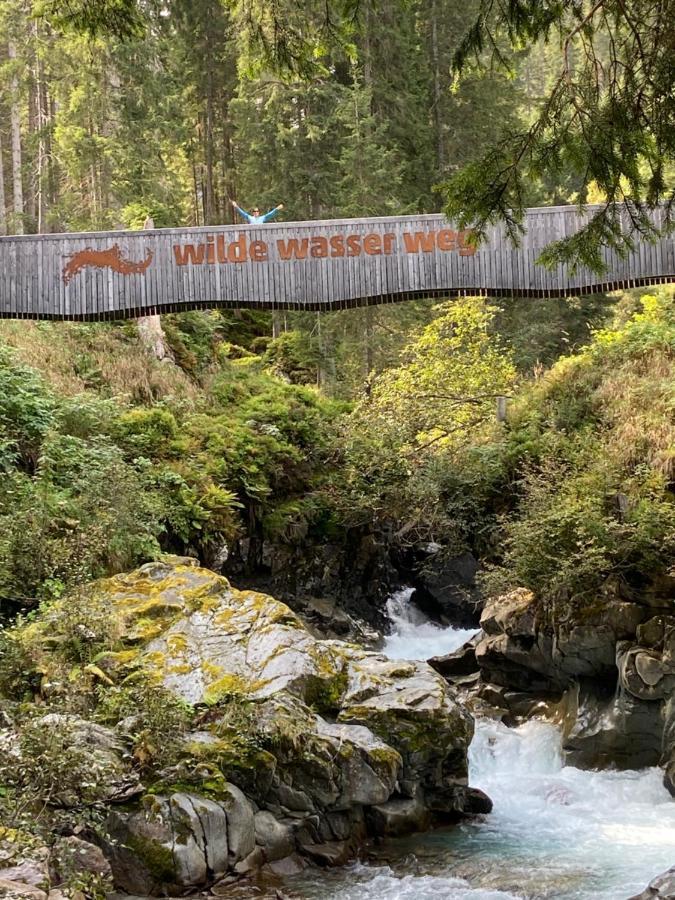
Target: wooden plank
x=100, y=285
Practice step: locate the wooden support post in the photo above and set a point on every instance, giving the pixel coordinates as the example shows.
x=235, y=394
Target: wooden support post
x=501, y=409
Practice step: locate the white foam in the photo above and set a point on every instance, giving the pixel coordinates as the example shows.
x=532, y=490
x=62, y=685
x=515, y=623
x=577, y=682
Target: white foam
x=413, y=636
x=556, y=832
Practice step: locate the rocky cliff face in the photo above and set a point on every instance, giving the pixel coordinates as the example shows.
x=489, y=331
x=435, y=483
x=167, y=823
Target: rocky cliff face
x=298, y=748
x=606, y=667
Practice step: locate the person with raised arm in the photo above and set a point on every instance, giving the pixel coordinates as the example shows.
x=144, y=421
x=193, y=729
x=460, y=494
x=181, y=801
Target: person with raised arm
x=254, y=217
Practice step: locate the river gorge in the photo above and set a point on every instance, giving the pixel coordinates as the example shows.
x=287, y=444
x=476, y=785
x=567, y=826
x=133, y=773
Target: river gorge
x=556, y=831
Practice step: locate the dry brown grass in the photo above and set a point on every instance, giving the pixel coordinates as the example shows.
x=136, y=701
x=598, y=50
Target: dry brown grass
x=639, y=403
x=107, y=358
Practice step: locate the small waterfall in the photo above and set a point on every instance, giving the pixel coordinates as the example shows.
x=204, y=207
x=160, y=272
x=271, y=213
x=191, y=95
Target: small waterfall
x=414, y=636
x=555, y=833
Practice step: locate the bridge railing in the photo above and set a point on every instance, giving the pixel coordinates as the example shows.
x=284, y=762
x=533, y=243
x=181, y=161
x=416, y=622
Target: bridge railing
x=327, y=264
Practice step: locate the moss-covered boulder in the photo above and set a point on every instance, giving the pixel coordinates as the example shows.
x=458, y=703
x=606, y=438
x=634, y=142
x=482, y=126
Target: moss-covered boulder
x=315, y=733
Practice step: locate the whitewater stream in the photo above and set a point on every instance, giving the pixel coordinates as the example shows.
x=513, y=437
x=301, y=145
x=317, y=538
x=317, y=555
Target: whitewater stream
x=556, y=832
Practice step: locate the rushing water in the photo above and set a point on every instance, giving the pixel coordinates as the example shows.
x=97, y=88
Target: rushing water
x=556, y=832
x=413, y=636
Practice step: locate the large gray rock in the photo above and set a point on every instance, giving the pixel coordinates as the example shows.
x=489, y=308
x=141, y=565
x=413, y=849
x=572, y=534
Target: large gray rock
x=525, y=647
x=314, y=732
x=274, y=838
x=398, y=721
x=411, y=707
x=622, y=731
x=661, y=888
x=181, y=841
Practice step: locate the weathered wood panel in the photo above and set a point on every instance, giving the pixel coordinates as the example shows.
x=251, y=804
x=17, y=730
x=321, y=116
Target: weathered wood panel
x=299, y=265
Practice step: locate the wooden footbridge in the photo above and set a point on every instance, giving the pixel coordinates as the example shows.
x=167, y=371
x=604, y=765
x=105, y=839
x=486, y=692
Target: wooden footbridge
x=321, y=265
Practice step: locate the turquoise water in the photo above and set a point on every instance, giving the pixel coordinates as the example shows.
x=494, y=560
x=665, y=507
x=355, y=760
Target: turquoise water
x=555, y=833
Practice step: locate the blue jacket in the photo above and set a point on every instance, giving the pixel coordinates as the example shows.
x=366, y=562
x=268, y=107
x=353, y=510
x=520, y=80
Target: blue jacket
x=257, y=220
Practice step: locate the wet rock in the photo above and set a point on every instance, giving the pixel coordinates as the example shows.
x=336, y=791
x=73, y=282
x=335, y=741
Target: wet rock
x=477, y=802
x=331, y=853
x=620, y=731
x=461, y=662
x=400, y=816
x=290, y=865
x=661, y=888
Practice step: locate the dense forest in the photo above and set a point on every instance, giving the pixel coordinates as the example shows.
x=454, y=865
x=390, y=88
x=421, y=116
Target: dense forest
x=165, y=728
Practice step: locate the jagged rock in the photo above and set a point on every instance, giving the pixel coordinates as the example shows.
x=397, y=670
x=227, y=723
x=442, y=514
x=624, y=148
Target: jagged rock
x=400, y=816
x=409, y=705
x=661, y=888
x=461, y=662
x=446, y=586
x=371, y=767
x=521, y=649
x=274, y=838
x=511, y=651
x=620, y=731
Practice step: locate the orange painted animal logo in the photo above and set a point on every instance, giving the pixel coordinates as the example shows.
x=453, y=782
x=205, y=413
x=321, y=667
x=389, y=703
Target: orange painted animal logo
x=104, y=259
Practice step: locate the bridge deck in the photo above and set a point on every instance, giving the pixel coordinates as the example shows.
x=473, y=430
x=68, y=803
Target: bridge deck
x=300, y=265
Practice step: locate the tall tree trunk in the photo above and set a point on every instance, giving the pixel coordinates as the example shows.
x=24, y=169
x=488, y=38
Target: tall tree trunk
x=17, y=161
x=40, y=121
x=277, y=323
x=150, y=328
x=3, y=211
x=368, y=348
x=437, y=112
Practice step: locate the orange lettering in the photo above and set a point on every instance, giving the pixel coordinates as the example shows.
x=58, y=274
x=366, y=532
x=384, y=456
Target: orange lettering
x=372, y=244
x=293, y=248
x=420, y=240
x=236, y=252
x=220, y=246
x=337, y=245
x=389, y=243
x=447, y=240
x=353, y=245
x=188, y=254
x=258, y=251
x=465, y=248
x=210, y=250
x=319, y=247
